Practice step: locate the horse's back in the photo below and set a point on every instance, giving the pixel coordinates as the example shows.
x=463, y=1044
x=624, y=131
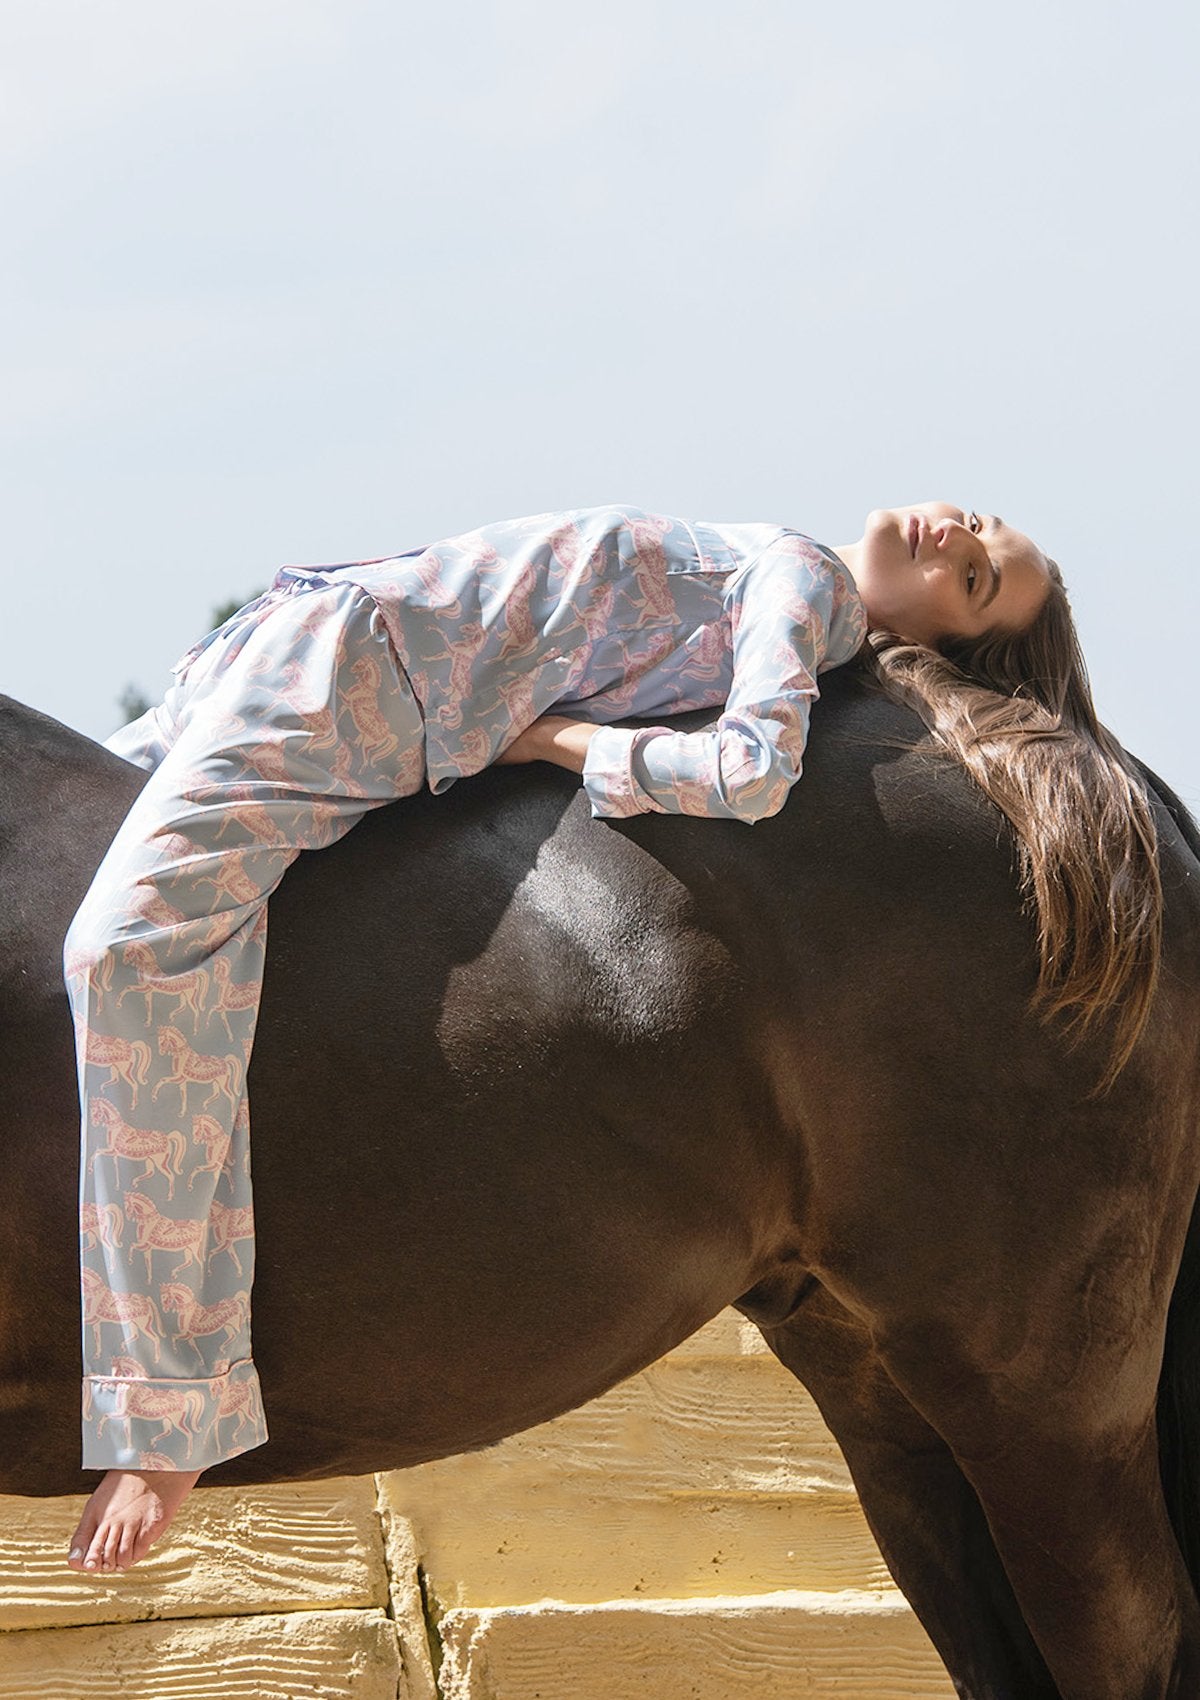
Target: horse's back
x=533, y=1094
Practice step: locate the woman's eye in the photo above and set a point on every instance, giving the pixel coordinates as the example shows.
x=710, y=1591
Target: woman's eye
x=970, y=581
x=974, y=523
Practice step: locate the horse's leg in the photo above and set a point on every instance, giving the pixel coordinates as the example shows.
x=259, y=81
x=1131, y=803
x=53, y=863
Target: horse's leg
x=1062, y=1452
x=922, y=1510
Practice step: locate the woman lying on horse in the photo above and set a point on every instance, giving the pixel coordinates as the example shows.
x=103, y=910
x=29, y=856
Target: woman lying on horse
x=345, y=687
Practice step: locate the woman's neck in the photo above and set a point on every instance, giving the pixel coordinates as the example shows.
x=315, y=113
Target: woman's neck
x=848, y=554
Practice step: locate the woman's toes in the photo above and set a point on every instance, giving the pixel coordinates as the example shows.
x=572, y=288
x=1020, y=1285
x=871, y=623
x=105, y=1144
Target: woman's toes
x=125, y=1516
x=97, y=1558
x=81, y=1540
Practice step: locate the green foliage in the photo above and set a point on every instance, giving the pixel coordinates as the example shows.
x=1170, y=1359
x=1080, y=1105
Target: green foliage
x=224, y=609
x=133, y=701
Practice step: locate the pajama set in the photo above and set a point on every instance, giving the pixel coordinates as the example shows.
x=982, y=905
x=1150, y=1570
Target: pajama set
x=337, y=690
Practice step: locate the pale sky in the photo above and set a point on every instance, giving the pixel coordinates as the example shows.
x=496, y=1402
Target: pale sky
x=321, y=280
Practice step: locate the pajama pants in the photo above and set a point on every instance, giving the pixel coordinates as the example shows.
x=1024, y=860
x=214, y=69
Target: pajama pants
x=276, y=738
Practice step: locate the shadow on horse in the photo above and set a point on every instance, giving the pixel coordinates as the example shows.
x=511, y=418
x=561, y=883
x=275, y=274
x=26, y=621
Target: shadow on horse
x=535, y=1096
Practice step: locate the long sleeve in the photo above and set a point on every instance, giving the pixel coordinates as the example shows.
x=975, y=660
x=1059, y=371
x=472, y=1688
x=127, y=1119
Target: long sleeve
x=784, y=606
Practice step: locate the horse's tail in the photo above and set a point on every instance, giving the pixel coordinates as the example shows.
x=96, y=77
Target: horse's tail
x=1179, y=1383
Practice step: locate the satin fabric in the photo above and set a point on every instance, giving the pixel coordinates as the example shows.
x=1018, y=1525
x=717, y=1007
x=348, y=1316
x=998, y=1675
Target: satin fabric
x=342, y=688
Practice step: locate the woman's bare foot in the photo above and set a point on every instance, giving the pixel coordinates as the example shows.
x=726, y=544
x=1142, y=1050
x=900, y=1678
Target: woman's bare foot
x=126, y=1515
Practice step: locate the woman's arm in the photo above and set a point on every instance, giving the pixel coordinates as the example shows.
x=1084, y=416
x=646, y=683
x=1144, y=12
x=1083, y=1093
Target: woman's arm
x=556, y=738
x=784, y=613
x=782, y=607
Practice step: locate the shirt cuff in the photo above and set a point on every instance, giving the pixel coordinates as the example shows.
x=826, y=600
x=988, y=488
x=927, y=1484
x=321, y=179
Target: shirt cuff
x=608, y=772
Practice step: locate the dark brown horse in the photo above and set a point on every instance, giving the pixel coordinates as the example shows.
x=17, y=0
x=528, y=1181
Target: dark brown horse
x=536, y=1095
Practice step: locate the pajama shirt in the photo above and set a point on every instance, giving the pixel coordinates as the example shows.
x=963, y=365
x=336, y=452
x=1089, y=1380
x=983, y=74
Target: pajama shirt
x=339, y=689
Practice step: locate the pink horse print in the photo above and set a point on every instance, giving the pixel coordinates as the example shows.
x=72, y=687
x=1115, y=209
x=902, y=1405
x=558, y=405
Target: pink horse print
x=597, y=616
x=566, y=544
x=148, y=904
x=127, y=1060
x=156, y=1232
x=100, y=1225
x=520, y=635
x=233, y=996
x=162, y=1153
x=190, y=989
x=232, y=882
x=657, y=602
x=517, y=695
x=180, y=1410
x=706, y=655
x=215, y=1138
x=476, y=747
x=228, y=1225
x=237, y=1400
x=222, y=1075
x=464, y=648
x=428, y=570
x=636, y=662
x=239, y=808
x=229, y=1316
x=375, y=738
x=135, y=1314
x=78, y=964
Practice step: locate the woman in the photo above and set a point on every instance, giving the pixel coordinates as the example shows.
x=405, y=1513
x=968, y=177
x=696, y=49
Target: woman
x=345, y=687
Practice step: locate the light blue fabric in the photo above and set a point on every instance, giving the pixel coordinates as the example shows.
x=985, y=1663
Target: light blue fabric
x=281, y=736
x=336, y=691
x=611, y=613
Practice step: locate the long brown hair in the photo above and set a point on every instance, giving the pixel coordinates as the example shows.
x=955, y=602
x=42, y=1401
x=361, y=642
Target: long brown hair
x=1016, y=710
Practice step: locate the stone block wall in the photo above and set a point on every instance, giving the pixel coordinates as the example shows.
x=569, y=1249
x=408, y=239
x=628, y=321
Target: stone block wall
x=692, y=1535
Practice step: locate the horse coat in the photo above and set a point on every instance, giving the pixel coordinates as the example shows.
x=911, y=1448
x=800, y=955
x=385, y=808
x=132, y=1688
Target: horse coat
x=563, y=1088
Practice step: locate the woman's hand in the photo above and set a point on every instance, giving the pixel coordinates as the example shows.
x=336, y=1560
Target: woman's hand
x=556, y=738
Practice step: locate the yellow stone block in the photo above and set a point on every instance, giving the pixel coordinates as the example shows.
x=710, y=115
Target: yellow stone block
x=692, y=1534
x=286, y=1548
x=708, y=1473
x=790, y=1646
x=302, y=1655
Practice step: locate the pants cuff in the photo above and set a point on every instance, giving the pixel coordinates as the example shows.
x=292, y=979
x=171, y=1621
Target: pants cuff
x=137, y=1423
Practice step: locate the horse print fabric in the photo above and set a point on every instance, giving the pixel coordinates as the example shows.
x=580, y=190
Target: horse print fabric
x=336, y=691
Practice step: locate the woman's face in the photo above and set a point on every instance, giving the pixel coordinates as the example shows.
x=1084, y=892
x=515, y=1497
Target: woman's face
x=935, y=571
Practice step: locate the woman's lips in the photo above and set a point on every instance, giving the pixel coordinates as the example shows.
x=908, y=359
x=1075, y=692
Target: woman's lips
x=914, y=534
